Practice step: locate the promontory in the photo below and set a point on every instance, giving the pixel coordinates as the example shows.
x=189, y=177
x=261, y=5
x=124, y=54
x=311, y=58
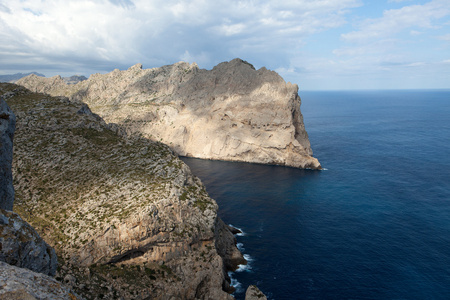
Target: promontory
x=232, y=112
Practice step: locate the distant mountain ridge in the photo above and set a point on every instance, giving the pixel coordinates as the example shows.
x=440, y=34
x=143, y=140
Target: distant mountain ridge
x=74, y=79
x=14, y=77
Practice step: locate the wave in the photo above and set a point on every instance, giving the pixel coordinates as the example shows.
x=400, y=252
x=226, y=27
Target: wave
x=242, y=233
x=240, y=247
x=248, y=266
x=235, y=283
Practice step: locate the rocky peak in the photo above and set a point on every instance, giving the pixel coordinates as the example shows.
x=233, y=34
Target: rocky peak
x=135, y=67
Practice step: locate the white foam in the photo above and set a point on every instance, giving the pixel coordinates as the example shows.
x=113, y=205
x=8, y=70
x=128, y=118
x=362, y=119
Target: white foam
x=236, y=284
x=247, y=267
x=238, y=234
x=240, y=246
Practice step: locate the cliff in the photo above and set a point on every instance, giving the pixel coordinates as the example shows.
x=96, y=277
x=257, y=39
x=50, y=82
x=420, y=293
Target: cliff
x=26, y=259
x=7, y=127
x=125, y=215
x=232, y=112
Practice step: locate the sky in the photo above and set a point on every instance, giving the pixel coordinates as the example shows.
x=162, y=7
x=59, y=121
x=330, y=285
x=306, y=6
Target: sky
x=317, y=44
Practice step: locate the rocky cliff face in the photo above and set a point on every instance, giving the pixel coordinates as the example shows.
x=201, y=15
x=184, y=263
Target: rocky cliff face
x=232, y=112
x=22, y=246
x=25, y=258
x=7, y=127
x=125, y=215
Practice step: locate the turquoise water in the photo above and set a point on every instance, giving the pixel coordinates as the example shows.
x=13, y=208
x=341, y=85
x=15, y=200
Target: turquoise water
x=374, y=225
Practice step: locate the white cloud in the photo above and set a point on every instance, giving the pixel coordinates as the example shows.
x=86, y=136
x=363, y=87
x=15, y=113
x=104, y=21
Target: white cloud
x=445, y=37
x=231, y=29
x=416, y=64
x=123, y=31
x=396, y=20
x=397, y=1
x=295, y=37
x=201, y=59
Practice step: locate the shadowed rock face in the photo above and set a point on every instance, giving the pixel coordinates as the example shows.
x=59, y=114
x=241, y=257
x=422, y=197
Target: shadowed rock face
x=232, y=112
x=7, y=127
x=22, y=246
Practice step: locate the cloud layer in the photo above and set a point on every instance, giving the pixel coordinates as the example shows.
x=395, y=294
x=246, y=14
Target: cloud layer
x=304, y=40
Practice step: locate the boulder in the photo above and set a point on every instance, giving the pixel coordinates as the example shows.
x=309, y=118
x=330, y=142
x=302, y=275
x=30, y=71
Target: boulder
x=253, y=293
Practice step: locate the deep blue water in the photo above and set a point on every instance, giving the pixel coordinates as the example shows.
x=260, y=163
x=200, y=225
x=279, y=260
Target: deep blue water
x=374, y=225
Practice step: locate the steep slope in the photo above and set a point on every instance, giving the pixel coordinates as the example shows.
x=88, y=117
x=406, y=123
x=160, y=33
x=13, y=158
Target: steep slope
x=122, y=213
x=232, y=112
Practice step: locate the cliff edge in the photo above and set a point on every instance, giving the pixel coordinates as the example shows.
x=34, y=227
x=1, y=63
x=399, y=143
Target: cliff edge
x=232, y=112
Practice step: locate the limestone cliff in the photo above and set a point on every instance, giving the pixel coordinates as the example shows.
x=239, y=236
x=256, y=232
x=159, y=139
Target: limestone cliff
x=125, y=215
x=232, y=112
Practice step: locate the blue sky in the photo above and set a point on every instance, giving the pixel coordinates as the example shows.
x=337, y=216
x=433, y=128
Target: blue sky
x=318, y=44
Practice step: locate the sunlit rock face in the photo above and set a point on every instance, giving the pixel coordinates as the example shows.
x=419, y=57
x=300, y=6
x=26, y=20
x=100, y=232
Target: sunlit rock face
x=232, y=112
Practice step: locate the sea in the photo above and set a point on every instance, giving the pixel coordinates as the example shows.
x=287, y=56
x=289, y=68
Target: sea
x=374, y=224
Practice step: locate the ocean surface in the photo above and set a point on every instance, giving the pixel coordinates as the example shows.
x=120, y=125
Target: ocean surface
x=374, y=225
